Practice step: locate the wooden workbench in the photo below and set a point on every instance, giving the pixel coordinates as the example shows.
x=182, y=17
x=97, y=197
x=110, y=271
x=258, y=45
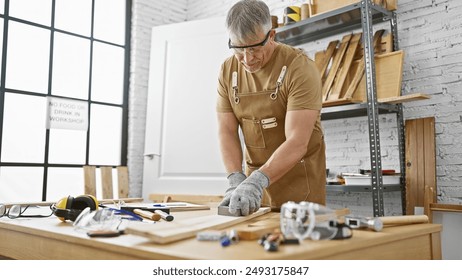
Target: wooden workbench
x=49, y=238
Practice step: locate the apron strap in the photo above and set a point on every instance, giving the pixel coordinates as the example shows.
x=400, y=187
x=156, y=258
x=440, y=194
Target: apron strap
x=282, y=75
x=234, y=85
x=273, y=95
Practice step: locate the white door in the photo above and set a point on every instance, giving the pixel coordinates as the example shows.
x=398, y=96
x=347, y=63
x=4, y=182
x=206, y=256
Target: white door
x=181, y=146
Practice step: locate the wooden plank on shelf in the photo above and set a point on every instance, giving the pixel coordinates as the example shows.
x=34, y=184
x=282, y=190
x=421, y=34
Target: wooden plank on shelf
x=167, y=232
x=341, y=101
x=389, y=100
x=404, y=98
x=391, y=5
x=358, y=76
x=322, y=6
x=335, y=66
x=322, y=61
x=383, y=44
x=345, y=68
x=389, y=74
x=420, y=161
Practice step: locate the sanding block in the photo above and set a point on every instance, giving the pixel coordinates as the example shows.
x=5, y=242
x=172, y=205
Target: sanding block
x=224, y=211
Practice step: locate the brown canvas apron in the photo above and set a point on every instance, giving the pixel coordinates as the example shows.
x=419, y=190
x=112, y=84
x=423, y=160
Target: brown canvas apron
x=261, y=116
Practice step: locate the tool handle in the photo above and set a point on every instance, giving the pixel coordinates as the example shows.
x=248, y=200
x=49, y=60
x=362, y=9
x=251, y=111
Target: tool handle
x=404, y=220
x=164, y=215
x=147, y=214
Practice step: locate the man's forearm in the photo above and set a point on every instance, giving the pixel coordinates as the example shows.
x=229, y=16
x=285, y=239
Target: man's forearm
x=299, y=127
x=231, y=152
x=230, y=144
x=283, y=159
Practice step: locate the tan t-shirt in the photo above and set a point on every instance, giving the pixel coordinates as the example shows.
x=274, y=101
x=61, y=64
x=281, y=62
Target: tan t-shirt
x=301, y=88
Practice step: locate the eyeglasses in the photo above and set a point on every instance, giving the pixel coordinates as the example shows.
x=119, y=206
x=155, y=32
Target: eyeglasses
x=250, y=48
x=16, y=211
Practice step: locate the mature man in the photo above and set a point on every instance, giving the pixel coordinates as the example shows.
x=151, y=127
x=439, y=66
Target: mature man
x=272, y=92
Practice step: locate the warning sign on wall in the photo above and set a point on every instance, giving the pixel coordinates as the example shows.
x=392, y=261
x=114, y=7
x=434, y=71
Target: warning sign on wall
x=67, y=114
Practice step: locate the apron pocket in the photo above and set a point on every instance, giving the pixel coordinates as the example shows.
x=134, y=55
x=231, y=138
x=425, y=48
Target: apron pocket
x=253, y=135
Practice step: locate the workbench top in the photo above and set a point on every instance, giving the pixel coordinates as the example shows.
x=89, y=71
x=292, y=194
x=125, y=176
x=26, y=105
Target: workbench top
x=49, y=238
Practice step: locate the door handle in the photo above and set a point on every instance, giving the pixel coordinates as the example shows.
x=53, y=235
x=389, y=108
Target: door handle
x=151, y=156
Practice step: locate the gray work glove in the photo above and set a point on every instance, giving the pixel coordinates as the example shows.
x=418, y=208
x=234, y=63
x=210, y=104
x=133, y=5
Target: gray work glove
x=247, y=196
x=234, y=179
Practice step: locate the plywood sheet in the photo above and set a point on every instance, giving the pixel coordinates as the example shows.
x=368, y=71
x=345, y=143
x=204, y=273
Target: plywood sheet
x=167, y=232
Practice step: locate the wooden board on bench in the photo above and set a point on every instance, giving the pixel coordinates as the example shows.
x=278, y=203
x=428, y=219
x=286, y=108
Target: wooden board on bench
x=179, y=229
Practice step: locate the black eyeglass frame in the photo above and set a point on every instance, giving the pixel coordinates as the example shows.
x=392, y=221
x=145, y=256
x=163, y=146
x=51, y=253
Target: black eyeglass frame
x=262, y=43
x=6, y=212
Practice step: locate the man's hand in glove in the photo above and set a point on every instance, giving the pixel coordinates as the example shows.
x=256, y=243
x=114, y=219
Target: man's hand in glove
x=234, y=179
x=247, y=196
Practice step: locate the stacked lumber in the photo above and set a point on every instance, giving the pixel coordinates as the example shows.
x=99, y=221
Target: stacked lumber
x=342, y=69
x=337, y=62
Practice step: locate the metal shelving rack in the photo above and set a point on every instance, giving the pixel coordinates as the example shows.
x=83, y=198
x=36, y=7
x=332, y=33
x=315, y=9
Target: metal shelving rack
x=362, y=15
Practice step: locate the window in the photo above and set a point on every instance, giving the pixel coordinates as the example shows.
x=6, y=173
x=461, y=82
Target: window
x=75, y=51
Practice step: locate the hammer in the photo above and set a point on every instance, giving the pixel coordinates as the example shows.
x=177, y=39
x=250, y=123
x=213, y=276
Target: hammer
x=378, y=222
x=364, y=222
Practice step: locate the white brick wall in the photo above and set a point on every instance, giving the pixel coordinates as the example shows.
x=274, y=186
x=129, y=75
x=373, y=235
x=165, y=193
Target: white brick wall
x=430, y=33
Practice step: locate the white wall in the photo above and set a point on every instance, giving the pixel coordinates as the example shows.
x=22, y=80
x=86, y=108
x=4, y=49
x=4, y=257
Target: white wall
x=430, y=33
x=145, y=15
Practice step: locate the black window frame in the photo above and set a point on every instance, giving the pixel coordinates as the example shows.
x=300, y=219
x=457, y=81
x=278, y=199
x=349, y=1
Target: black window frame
x=124, y=106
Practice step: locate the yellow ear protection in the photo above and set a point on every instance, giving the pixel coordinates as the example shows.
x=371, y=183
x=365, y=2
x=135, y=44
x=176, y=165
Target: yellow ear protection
x=69, y=208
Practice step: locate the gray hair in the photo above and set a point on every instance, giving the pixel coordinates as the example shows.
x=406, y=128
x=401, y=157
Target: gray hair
x=247, y=18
